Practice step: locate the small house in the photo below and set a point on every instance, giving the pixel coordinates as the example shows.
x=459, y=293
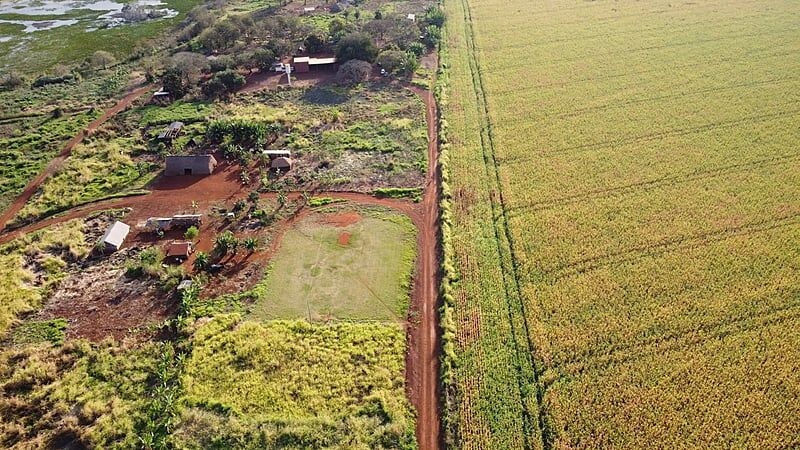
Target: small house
x=171, y=132
x=411, y=17
x=304, y=64
x=115, y=235
x=179, y=252
x=300, y=64
x=190, y=165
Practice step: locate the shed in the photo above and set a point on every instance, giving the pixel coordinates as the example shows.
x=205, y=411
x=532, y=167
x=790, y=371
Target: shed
x=171, y=132
x=115, y=235
x=190, y=165
x=309, y=9
x=179, y=251
x=303, y=64
x=281, y=163
x=411, y=17
x=300, y=64
x=186, y=220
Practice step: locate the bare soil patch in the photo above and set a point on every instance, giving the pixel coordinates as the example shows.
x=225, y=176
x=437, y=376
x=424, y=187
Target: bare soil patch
x=344, y=239
x=341, y=219
x=99, y=301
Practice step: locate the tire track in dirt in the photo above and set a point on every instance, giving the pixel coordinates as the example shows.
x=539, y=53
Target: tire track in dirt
x=56, y=162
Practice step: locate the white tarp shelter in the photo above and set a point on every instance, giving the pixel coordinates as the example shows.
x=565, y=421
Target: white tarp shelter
x=115, y=235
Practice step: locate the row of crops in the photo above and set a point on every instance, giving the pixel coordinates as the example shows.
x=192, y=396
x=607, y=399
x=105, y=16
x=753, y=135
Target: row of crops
x=625, y=187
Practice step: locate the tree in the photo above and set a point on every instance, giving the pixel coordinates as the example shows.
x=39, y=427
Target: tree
x=201, y=261
x=219, y=37
x=338, y=28
x=393, y=61
x=183, y=72
x=434, y=16
x=314, y=43
x=100, y=59
x=356, y=46
x=223, y=83
x=175, y=82
x=262, y=59
x=416, y=48
x=191, y=233
x=431, y=36
x=225, y=242
x=353, y=72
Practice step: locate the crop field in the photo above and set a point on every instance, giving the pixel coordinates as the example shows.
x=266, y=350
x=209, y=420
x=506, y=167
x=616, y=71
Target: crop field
x=626, y=223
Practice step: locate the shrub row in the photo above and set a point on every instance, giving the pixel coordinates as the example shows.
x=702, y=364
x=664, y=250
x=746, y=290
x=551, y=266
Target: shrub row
x=447, y=322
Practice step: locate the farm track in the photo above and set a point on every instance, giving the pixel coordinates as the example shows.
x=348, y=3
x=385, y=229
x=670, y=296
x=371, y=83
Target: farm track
x=56, y=163
x=527, y=370
x=168, y=195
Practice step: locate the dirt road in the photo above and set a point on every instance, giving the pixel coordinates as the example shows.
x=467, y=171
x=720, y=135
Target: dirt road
x=422, y=362
x=34, y=184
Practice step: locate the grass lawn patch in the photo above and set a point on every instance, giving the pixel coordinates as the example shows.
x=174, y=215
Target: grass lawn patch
x=341, y=265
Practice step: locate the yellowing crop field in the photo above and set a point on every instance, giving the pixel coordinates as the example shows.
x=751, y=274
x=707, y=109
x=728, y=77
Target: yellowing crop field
x=626, y=223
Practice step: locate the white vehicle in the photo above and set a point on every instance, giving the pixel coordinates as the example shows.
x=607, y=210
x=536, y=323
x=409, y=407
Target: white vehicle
x=279, y=67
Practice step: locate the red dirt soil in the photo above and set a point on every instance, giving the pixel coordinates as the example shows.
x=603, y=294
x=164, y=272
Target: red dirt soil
x=344, y=239
x=342, y=219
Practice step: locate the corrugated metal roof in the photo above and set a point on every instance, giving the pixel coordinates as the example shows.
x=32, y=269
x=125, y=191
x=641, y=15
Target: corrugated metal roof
x=115, y=234
x=319, y=61
x=179, y=249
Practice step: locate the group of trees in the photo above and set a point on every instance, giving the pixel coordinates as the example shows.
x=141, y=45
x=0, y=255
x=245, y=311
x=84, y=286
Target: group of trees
x=221, y=46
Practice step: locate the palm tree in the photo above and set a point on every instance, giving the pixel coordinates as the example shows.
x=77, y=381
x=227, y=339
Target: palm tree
x=201, y=261
x=251, y=244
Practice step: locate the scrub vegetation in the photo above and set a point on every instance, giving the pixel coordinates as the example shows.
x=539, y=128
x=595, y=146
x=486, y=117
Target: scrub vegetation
x=625, y=224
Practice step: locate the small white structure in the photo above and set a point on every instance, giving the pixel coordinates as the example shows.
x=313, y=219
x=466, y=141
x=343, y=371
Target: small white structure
x=185, y=284
x=309, y=9
x=411, y=17
x=115, y=235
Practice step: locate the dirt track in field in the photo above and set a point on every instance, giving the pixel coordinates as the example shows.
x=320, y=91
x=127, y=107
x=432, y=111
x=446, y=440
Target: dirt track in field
x=51, y=168
x=176, y=195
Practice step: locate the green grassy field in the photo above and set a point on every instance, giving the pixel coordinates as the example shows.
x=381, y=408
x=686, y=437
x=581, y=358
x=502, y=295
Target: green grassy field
x=360, y=271
x=644, y=184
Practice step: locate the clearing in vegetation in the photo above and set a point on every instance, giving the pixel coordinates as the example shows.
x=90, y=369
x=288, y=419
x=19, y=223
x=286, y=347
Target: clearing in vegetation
x=342, y=265
x=626, y=223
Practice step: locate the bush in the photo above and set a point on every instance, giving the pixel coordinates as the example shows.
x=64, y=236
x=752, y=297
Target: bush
x=356, y=46
x=100, y=60
x=434, y=16
x=353, y=72
x=396, y=61
x=11, y=80
x=191, y=233
x=223, y=83
x=432, y=36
